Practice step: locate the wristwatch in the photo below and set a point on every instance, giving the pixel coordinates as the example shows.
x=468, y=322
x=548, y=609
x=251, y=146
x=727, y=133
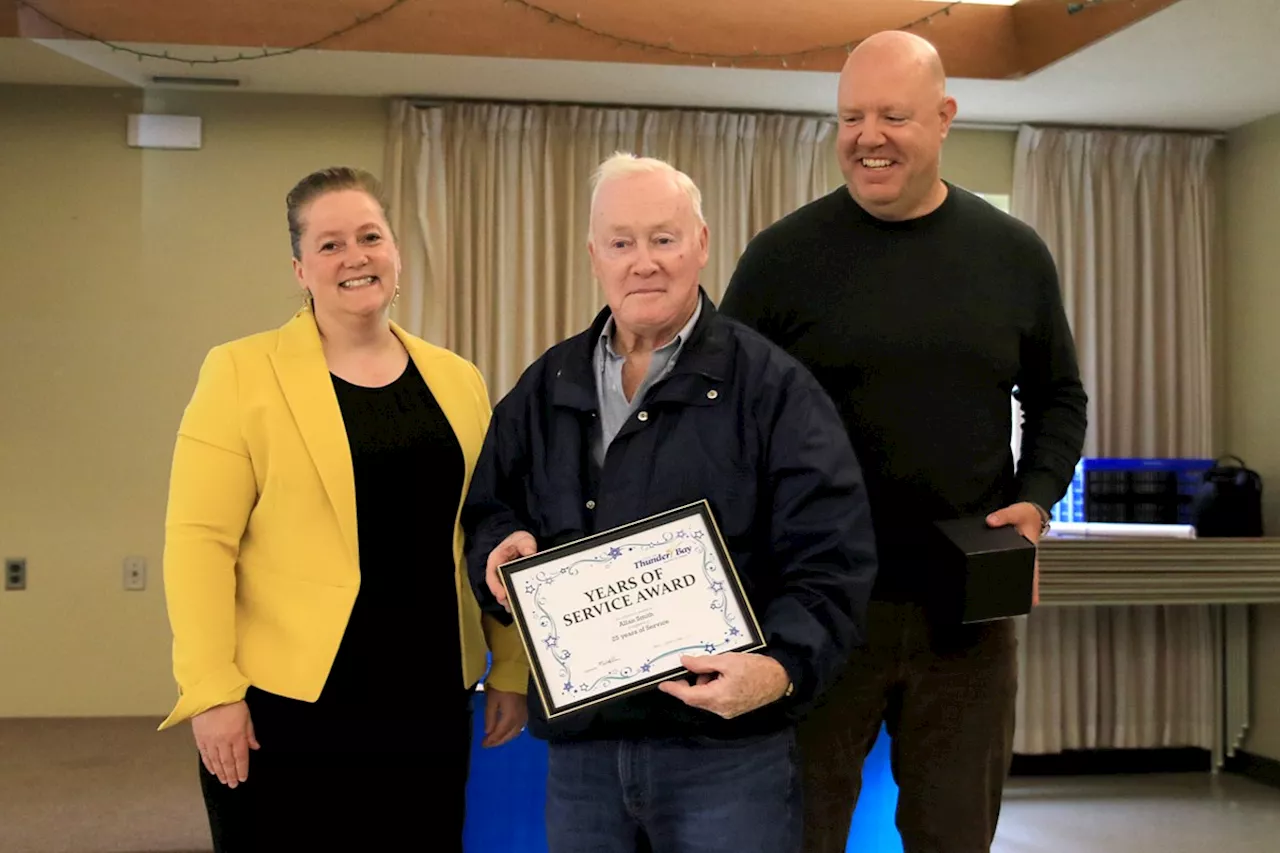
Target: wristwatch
x=1044, y=517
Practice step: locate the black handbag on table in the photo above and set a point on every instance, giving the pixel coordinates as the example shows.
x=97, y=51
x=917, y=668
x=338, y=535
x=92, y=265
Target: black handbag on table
x=1229, y=501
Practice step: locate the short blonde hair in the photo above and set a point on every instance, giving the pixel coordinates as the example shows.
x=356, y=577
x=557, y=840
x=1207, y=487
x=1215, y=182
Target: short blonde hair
x=623, y=164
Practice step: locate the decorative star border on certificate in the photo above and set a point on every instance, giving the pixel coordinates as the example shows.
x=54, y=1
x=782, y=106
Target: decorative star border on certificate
x=549, y=636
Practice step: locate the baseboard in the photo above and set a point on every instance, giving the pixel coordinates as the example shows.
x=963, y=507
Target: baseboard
x=1102, y=762
x=1259, y=768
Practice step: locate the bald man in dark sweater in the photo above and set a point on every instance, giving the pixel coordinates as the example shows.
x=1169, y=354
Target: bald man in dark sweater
x=920, y=308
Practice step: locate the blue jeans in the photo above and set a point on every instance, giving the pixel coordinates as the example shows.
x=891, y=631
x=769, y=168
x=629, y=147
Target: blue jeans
x=683, y=795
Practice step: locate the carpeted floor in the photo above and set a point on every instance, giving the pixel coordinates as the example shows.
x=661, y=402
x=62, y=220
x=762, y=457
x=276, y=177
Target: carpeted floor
x=118, y=786
x=100, y=786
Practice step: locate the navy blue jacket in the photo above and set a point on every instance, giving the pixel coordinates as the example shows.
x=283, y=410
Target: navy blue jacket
x=768, y=452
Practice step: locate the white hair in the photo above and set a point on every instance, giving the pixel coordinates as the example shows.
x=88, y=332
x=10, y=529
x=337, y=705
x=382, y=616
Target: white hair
x=624, y=164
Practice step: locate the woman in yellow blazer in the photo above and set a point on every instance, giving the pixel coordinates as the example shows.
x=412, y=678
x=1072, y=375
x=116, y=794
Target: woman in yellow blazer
x=313, y=570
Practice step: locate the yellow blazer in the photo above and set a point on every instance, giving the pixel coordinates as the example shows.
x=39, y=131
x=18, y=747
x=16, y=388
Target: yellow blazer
x=261, y=564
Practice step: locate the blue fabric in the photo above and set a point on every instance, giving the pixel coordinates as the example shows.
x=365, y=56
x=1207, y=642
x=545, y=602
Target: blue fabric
x=873, y=829
x=506, y=794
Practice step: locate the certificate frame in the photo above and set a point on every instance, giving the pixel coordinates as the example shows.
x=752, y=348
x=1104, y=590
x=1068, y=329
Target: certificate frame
x=664, y=537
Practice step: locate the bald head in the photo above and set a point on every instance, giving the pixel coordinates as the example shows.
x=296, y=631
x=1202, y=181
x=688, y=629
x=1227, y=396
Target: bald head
x=894, y=115
x=905, y=54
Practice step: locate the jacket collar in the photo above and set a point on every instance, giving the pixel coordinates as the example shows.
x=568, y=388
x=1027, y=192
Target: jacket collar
x=707, y=355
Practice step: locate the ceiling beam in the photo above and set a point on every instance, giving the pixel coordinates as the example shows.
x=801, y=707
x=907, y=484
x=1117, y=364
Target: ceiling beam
x=1043, y=37
x=9, y=19
x=975, y=40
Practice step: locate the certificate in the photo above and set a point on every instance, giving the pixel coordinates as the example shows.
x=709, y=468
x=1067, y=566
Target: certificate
x=612, y=613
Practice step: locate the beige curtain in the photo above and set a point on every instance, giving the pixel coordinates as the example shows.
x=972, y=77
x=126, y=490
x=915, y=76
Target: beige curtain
x=1130, y=219
x=490, y=203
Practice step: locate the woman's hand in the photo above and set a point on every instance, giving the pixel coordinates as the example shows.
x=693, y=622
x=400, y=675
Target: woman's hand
x=224, y=736
x=504, y=716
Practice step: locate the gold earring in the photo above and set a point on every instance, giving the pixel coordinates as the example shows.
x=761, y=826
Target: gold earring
x=396, y=296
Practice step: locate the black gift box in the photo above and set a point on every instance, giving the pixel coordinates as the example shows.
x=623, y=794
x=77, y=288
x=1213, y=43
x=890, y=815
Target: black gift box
x=979, y=573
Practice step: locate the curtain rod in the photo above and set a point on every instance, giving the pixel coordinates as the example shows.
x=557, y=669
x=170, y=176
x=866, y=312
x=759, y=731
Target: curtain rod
x=1184, y=131
x=999, y=127
x=429, y=101
x=1002, y=127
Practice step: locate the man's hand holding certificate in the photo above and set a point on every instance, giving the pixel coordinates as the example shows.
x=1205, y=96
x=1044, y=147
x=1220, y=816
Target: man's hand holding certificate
x=730, y=684
x=634, y=606
x=518, y=544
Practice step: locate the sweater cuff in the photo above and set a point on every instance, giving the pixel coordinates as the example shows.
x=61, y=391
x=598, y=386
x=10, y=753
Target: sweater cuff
x=1042, y=490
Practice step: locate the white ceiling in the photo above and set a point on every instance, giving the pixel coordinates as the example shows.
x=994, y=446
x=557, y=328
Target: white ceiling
x=1199, y=64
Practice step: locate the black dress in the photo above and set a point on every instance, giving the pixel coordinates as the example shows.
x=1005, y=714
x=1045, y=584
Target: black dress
x=342, y=773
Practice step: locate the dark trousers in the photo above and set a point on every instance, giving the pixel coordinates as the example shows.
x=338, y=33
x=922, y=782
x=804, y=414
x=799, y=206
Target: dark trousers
x=686, y=795
x=947, y=697
x=344, y=801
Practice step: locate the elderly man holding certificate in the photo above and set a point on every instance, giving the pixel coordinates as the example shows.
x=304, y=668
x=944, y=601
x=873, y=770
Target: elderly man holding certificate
x=669, y=508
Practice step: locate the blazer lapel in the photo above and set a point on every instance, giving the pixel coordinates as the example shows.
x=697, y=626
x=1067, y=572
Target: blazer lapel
x=304, y=378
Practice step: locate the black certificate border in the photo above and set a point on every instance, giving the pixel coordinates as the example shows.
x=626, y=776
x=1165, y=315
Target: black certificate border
x=753, y=641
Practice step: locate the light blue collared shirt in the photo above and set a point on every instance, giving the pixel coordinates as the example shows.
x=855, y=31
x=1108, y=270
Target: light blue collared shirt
x=613, y=403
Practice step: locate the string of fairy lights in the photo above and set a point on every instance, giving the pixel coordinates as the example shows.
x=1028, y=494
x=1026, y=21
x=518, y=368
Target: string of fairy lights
x=670, y=47
x=550, y=16
x=266, y=53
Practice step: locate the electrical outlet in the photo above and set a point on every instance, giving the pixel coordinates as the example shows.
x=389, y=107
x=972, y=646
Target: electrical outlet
x=135, y=573
x=15, y=573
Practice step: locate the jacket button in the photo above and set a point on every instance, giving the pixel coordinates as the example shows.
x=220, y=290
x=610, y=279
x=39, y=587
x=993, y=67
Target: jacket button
x=643, y=416
x=712, y=394
x=591, y=504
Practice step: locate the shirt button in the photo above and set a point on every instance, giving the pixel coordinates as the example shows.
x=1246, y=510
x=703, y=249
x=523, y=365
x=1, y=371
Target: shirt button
x=591, y=504
x=643, y=416
x=712, y=394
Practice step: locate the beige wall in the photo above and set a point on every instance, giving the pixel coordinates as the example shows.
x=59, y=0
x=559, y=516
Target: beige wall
x=121, y=268
x=980, y=160
x=1264, y=648
x=1252, y=360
